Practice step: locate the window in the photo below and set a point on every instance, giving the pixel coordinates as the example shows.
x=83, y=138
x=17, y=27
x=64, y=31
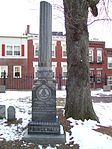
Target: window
x=64, y=69
x=36, y=49
x=17, y=72
x=91, y=73
x=53, y=50
x=3, y=71
x=91, y=57
x=99, y=55
x=109, y=80
x=109, y=62
x=17, y=50
x=13, y=50
x=54, y=65
x=35, y=68
x=9, y=50
x=36, y=71
x=98, y=76
x=64, y=53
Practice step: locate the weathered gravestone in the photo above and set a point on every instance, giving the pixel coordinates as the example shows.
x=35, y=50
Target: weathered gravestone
x=106, y=88
x=2, y=88
x=2, y=111
x=44, y=127
x=11, y=113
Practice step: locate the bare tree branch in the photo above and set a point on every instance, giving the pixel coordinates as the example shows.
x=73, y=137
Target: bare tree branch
x=97, y=20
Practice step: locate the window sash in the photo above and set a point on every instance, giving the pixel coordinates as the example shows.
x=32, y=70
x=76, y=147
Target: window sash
x=91, y=55
x=35, y=71
x=9, y=50
x=91, y=73
x=36, y=49
x=13, y=50
x=53, y=50
x=2, y=69
x=17, y=53
x=109, y=80
x=99, y=55
x=53, y=53
x=17, y=72
x=17, y=50
x=64, y=53
x=64, y=71
x=99, y=77
x=54, y=70
x=36, y=52
x=64, y=74
x=109, y=62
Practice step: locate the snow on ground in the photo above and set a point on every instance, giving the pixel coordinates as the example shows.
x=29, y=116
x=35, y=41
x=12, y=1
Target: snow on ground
x=100, y=92
x=82, y=132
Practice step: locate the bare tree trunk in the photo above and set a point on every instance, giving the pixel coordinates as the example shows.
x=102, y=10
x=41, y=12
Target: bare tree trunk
x=78, y=100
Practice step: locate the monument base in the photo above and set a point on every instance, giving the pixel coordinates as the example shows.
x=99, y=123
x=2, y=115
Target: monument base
x=45, y=139
x=44, y=127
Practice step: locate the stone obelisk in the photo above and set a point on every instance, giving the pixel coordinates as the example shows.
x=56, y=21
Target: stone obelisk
x=44, y=91
x=45, y=35
x=44, y=127
x=45, y=41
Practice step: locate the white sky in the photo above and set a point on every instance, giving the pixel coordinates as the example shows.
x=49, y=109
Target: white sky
x=15, y=15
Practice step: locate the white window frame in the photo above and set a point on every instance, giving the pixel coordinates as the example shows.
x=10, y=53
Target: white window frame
x=91, y=51
x=36, y=49
x=13, y=51
x=53, y=49
x=99, y=54
x=17, y=50
x=108, y=62
x=63, y=45
x=99, y=76
x=35, y=66
x=9, y=48
x=54, y=65
x=63, y=65
x=2, y=69
x=109, y=80
x=91, y=72
x=15, y=71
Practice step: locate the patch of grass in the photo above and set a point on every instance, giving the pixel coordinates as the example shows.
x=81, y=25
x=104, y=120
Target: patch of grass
x=17, y=144
x=68, y=146
x=64, y=122
x=104, y=130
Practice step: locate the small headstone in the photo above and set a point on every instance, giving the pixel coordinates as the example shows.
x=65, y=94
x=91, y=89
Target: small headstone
x=2, y=88
x=2, y=111
x=11, y=113
x=106, y=88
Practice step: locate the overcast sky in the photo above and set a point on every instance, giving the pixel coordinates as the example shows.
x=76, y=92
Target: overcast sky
x=15, y=15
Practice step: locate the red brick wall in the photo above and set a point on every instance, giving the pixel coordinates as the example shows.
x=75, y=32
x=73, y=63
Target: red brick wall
x=28, y=70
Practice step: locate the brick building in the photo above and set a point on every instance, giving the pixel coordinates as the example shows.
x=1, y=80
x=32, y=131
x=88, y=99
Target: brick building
x=19, y=61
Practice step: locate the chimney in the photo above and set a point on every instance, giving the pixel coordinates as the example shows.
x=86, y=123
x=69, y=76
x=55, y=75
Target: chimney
x=28, y=29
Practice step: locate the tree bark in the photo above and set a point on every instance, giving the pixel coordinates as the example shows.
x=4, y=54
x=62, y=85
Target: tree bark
x=78, y=100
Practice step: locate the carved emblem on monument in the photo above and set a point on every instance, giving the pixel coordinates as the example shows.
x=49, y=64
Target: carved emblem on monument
x=43, y=93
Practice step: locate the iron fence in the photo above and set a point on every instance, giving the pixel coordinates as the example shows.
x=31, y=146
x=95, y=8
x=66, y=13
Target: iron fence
x=26, y=82
x=23, y=83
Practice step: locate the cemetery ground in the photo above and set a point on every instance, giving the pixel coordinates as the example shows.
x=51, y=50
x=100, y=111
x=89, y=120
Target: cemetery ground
x=79, y=134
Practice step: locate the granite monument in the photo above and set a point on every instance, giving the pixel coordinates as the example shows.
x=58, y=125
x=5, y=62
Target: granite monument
x=2, y=111
x=45, y=127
